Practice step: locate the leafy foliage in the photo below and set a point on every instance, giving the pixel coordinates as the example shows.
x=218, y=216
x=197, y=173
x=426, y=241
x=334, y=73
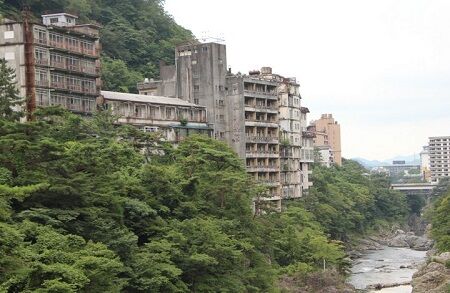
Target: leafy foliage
x=10, y=101
x=347, y=202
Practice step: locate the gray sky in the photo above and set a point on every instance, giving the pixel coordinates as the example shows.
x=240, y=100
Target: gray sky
x=381, y=67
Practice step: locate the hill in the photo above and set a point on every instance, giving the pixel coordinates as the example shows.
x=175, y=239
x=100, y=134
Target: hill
x=135, y=34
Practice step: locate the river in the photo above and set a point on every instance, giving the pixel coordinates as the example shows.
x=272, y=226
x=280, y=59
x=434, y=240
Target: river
x=383, y=267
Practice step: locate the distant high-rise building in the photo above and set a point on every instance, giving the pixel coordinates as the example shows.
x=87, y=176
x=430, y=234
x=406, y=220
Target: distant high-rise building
x=439, y=148
x=328, y=133
x=56, y=61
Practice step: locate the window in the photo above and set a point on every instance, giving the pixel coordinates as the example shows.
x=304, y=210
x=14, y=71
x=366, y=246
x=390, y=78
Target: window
x=56, y=40
x=40, y=36
x=204, y=49
x=53, y=20
x=73, y=63
x=196, y=101
x=40, y=56
x=57, y=60
x=42, y=98
x=168, y=113
x=73, y=44
x=74, y=83
x=41, y=77
x=9, y=27
x=194, y=62
x=196, y=88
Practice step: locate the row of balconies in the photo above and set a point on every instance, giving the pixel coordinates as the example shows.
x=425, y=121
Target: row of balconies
x=69, y=47
x=261, y=107
x=252, y=138
x=263, y=168
x=260, y=154
x=268, y=181
x=63, y=65
x=69, y=87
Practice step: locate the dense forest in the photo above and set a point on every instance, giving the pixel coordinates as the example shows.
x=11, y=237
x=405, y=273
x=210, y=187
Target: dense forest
x=90, y=206
x=135, y=34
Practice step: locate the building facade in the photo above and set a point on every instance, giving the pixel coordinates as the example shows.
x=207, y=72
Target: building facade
x=56, y=61
x=259, y=115
x=439, y=148
x=174, y=118
x=328, y=133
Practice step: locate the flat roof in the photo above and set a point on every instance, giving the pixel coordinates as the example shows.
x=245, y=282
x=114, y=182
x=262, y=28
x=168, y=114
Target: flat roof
x=116, y=96
x=62, y=13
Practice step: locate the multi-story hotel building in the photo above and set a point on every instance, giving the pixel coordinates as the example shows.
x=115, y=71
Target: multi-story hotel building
x=439, y=150
x=56, y=61
x=259, y=115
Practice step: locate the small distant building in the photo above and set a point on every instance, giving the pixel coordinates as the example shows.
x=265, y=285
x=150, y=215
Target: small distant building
x=328, y=133
x=174, y=118
x=439, y=149
x=325, y=155
x=56, y=61
x=425, y=164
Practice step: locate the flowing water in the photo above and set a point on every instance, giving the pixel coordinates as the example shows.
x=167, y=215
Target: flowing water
x=383, y=267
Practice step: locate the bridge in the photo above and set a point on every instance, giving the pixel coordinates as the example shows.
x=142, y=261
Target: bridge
x=424, y=189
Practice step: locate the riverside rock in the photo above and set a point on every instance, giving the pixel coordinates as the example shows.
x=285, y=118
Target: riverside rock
x=432, y=277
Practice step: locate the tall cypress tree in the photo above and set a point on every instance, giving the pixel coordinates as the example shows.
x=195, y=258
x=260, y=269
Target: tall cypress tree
x=10, y=100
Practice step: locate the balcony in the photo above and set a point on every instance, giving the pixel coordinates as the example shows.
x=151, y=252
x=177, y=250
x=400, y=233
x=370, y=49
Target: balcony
x=269, y=182
x=262, y=168
x=60, y=65
x=41, y=61
x=55, y=44
x=260, y=94
x=58, y=85
x=261, y=154
x=265, y=139
x=40, y=41
x=41, y=83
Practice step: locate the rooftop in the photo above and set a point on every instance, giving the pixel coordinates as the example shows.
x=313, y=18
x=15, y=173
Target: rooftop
x=127, y=97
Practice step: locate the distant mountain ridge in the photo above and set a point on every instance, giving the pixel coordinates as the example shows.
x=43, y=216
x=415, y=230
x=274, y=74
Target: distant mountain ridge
x=413, y=159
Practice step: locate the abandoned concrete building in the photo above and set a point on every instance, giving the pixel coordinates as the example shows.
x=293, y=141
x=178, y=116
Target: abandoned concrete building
x=259, y=115
x=56, y=61
x=174, y=118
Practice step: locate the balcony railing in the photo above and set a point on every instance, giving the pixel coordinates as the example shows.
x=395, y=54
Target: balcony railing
x=40, y=41
x=262, y=138
x=263, y=168
x=56, y=44
x=43, y=83
x=58, y=85
x=41, y=61
x=57, y=64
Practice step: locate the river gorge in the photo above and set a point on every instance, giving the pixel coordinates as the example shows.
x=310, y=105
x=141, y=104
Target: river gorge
x=386, y=266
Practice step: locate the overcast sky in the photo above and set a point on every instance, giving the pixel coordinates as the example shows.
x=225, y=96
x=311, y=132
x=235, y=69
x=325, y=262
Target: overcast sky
x=381, y=67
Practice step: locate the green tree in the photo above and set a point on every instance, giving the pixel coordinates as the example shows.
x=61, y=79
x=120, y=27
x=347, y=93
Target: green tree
x=10, y=101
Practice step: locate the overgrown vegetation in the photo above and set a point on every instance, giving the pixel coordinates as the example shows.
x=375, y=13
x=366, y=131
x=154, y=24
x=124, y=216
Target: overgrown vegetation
x=135, y=34
x=84, y=209
x=439, y=212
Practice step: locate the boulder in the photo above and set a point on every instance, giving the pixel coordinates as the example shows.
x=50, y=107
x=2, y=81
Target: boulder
x=432, y=277
x=398, y=241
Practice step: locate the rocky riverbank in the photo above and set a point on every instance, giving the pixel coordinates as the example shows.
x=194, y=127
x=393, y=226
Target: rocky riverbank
x=391, y=267
x=398, y=238
x=434, y=275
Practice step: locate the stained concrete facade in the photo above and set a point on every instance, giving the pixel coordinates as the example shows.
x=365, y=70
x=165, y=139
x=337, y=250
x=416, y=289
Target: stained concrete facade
x=56, y=62
x=173, y=118
x=259, y=115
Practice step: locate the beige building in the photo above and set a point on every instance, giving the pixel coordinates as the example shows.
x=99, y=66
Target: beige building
x=56, y=61
x=328, y=133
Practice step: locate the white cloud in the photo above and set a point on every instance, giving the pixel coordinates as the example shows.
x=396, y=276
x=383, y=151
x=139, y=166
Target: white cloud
x=381, y=67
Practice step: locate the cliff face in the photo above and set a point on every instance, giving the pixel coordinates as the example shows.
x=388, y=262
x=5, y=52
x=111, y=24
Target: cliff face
x=433, y=276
